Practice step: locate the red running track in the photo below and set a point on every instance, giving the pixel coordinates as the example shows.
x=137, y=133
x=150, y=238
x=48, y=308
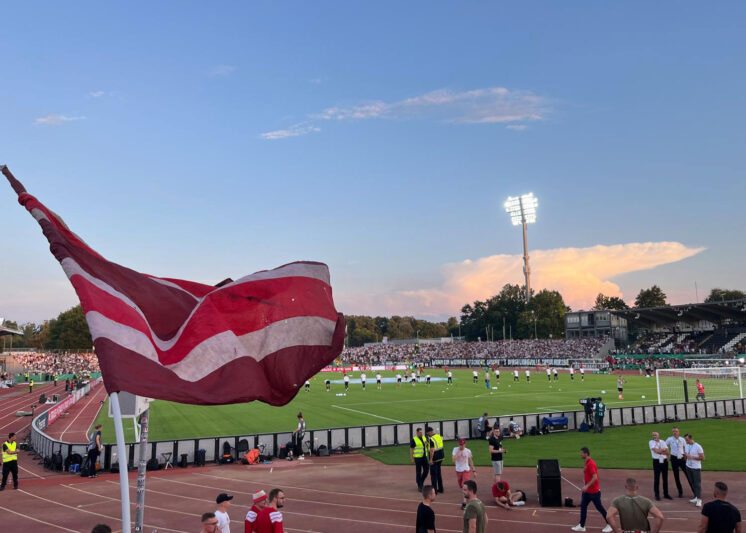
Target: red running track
x=330, y=494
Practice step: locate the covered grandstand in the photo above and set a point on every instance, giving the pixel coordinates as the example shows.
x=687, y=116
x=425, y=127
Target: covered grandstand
x=697, y=328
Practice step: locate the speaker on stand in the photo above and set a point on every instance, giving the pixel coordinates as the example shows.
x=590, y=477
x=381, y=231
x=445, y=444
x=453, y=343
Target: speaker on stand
x=549, y=483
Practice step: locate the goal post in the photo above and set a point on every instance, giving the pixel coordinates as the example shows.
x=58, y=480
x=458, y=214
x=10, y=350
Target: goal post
x=677, y=385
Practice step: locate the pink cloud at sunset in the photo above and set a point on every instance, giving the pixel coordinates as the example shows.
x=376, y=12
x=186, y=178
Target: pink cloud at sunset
x=579, y=274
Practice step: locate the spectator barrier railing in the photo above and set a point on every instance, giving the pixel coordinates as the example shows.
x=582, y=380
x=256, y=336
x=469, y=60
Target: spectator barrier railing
x=393, y=434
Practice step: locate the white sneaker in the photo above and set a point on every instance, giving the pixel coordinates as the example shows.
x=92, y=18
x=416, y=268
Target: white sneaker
x=607, y=529
x=699, y=503
x=693, y=500
x=578, y=528
x=518, y=504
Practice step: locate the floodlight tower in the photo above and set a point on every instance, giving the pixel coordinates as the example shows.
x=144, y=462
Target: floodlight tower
x=522, y=211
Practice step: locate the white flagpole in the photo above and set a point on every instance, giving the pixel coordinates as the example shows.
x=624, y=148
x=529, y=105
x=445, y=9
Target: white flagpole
x=124, y=488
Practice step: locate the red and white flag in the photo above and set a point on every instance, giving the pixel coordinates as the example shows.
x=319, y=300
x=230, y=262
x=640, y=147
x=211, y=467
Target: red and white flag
x=257, y=338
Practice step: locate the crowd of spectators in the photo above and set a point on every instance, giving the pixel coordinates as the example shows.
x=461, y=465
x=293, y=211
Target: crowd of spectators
x=378, y=354
x=57, y=363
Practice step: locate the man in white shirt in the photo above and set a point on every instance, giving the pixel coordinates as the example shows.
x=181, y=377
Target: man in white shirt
x=347, y=382
x=582, y=373
x=427, y=379
x=474, y=376
x=378, y=381
x=676, y=444
x=694, y=455
x=528, y=376
x=450, y=377
x=549, y=374
x=398, y=381
x=464, y=463
x=659, y=451
x=515, y=375
x=224, y=522
x=363, y=377
x=572, y=373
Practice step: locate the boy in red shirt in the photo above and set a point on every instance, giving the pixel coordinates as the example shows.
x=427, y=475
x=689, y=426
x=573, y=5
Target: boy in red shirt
x=260, y=500
x=591, y=492
x=269, y=519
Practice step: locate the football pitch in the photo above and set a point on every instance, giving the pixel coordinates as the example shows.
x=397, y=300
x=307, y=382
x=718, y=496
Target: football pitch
x=391, y=404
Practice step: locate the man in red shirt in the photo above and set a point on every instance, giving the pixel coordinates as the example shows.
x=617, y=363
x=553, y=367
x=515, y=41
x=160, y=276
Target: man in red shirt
x=591, y=492
x=503, y=497
x=269, y=519
x=260, y=500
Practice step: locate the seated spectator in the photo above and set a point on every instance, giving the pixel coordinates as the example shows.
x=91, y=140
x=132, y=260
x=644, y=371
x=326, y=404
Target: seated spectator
x=505, y=498
x=515, y=429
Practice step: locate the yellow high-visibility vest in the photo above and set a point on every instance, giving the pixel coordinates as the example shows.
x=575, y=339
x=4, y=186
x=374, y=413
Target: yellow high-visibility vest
x=438, y=440
x=11, y=448
x=420, y=447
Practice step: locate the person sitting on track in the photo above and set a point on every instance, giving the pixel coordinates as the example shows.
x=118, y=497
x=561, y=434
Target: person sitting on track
x=505, y=498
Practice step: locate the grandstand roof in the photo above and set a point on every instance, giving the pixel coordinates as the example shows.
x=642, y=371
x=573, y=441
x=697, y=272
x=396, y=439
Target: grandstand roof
x=714, y=312
x=4, y=330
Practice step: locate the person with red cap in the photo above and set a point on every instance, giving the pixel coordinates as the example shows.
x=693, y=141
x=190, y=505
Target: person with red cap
x=259, y=501
x=462, y=459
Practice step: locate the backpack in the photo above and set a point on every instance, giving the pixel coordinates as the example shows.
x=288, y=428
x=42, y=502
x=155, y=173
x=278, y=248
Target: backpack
x=251, y=457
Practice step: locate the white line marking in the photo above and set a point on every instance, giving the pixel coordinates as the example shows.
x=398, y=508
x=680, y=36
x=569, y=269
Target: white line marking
x=30, y=472
x=368, y=414
x=98, y=514
x=40, y=521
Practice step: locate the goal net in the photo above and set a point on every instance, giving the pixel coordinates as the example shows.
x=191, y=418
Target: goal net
x=717, y=383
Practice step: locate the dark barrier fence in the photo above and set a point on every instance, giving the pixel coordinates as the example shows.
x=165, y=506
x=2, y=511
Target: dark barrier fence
x=384, y=434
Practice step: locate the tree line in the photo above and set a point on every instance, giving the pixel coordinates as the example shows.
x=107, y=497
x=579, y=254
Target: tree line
x=506, y=315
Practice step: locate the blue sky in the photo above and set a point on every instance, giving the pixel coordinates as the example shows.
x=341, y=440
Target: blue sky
x=205, y=141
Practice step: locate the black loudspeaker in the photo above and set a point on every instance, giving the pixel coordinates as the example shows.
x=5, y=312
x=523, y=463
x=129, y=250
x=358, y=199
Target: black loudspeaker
x=548, y=468
x=183, y=462
x=323, y=451
x=550, y=491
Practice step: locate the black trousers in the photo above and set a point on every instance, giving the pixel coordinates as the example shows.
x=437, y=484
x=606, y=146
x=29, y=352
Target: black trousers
x=435, y=477
x=598, y=424
x=660, y=470
x=676, y=465
x=11, y=467
x=421, y=470
x=298, y=444
x=92, y=458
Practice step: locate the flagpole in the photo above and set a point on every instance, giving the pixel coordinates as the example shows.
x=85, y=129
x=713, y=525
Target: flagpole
x=141, y=468
x=124, y=487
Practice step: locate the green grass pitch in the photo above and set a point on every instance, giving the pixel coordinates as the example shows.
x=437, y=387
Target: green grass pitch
x=619, y=447
x=439, y=401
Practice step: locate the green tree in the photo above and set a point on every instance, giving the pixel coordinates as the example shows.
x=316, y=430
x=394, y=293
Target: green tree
x=70, y=331
x=652, y=297
x=720, y=295
x=609, y=302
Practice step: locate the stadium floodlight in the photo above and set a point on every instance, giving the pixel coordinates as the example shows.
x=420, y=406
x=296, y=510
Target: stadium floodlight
x=522, y=211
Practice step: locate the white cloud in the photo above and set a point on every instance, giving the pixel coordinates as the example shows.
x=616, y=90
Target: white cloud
x=516, y=127
x=477, y=106
x=579, y=274
x=315, y=81
x=295, y=130
x=222, y=70
x=96, y=94
x=53, y=119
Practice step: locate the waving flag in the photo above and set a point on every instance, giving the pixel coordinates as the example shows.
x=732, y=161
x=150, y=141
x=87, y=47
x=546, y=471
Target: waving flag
x=257, y=338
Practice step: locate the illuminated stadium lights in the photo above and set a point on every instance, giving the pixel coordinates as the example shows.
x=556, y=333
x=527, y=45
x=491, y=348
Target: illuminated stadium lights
x=522, y=211
x=522, y=207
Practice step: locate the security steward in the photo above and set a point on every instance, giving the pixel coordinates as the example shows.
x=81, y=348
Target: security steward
x=437, y=454
x=10, y=461
x=31, y=386
x=419, y=453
